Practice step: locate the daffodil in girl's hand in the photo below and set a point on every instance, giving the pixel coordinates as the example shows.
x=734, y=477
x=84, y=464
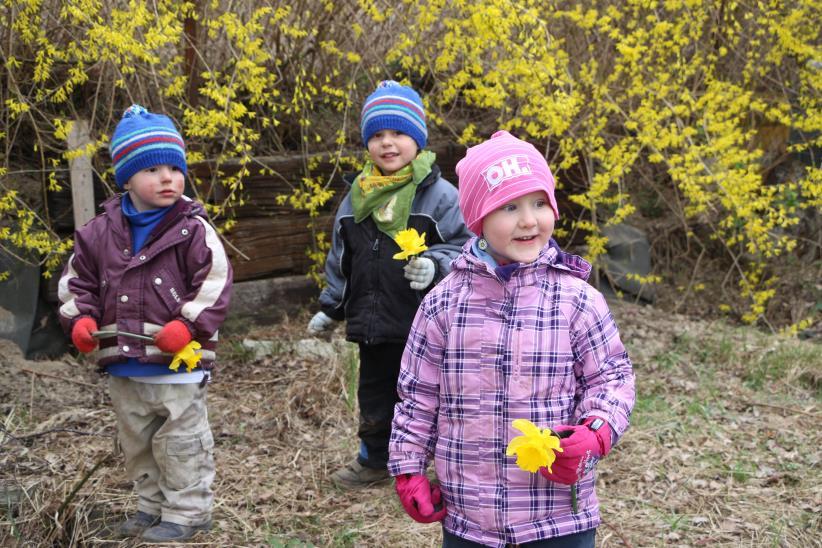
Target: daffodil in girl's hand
x=411, y=243
x=189, y=355
x=536, y=448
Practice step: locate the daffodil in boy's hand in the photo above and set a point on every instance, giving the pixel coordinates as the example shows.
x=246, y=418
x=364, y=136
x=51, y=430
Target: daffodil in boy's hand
x=410, y=243
x=420, y=271
x=187, y=355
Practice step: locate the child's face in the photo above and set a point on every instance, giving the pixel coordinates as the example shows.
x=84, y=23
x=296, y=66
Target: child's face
x=391, y=150
x=155, y=187
x=517, y=231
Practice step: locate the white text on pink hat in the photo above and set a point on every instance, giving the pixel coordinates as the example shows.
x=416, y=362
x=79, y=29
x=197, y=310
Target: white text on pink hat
x=506, y=168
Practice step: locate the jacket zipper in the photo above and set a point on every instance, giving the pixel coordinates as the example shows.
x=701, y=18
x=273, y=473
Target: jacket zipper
x=376, y=277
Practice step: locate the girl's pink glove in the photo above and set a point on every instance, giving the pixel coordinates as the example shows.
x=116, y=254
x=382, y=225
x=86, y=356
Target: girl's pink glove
x=581, y=451
x=419, y=499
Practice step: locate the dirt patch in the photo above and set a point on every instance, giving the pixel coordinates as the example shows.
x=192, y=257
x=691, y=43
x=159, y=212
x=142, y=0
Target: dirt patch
x=51, y=383
x=719, y=454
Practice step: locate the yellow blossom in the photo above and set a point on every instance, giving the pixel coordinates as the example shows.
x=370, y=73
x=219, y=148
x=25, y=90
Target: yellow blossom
x=537, y=448
x=411, y=243
x=189, y=355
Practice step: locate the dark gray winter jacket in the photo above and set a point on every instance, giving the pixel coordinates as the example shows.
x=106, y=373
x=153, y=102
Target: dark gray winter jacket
x=366, y=286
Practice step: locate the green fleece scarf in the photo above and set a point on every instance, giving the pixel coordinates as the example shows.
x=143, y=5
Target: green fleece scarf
x=387, y=198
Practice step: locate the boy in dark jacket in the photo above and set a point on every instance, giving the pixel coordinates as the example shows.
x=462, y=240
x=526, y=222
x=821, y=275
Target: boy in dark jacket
x=149, y=276
x=400, y=187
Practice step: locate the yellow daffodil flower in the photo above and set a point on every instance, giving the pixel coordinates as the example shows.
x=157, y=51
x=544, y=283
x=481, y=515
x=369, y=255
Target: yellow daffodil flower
x=189, y=355
x=537, y=448
x=411, y=243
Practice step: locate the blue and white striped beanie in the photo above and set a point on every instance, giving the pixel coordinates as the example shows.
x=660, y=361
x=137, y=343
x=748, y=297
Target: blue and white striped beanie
x=394, y=106
x=142, y=140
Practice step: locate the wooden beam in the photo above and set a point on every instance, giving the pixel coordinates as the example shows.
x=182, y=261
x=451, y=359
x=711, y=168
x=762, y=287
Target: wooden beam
x=82, y=189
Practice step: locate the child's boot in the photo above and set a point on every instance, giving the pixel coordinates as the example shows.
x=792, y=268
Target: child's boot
x=354, y=475
x=166, y=531
x=136, y=524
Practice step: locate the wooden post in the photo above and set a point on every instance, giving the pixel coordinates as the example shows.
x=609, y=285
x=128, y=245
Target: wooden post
x=82, y=189
x=191, y=63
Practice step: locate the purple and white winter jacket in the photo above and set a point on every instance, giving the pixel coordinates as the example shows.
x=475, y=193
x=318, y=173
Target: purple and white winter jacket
x=181, y=273
x=482, y=352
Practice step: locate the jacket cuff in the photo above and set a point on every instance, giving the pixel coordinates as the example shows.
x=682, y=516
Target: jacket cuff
x=190, y=326
x=438, y=276
x=337, y=314
x=76, y=319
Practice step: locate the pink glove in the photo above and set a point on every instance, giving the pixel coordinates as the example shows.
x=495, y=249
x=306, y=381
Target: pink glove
x=580, y=451
x=419, y=499
x=172, y=337
x=81, y=334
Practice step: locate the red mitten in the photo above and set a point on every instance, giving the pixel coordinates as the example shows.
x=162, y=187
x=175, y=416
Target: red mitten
x=81, y=334
x=419, y=498
x=172, y=337
x=580, y=451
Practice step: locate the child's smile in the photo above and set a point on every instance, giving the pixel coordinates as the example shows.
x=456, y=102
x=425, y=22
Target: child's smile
x=391, y=150
x=517, y=231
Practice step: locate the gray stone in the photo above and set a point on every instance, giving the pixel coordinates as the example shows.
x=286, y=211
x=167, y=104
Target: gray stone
x=628, y=252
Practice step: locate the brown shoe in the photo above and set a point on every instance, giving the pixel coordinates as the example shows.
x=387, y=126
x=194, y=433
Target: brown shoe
x=354, y=475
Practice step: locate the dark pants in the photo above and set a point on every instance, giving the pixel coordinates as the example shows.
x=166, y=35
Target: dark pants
x=585, y=539
x=377, y=394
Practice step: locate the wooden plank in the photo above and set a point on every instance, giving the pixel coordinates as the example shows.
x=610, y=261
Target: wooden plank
x=82, y=189
x=275, y=245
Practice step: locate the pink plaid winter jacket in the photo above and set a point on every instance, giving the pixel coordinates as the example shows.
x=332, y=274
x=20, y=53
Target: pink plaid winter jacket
x=483, y=352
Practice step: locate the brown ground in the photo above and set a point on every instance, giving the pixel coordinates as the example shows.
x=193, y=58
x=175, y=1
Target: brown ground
x=724, y=448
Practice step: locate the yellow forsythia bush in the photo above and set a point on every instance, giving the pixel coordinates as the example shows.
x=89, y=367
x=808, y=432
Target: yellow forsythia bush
x=628, y=99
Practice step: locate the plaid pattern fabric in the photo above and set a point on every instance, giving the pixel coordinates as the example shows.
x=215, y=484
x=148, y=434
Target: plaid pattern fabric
x=482, y=352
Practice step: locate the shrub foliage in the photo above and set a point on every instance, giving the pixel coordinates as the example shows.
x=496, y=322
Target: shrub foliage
x=643, y=101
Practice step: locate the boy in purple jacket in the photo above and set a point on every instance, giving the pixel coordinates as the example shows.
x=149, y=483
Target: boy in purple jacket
x=148, y=276
x=513, y=332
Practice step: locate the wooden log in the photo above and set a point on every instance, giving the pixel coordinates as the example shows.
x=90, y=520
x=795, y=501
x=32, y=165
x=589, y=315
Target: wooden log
x=275, y=245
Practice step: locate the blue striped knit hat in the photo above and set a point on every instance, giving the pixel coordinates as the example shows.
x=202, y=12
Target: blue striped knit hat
x=394, y=106
x=142, y=140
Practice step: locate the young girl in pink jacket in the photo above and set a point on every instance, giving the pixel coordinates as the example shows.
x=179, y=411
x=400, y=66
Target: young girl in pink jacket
x=513, y=332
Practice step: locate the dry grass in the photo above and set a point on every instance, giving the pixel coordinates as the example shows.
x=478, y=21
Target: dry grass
x=724, y=448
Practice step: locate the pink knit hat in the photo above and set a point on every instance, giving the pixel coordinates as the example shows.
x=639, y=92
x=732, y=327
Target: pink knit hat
x=501, y=169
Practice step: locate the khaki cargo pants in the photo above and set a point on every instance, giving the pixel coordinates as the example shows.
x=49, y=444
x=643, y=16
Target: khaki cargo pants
x=164, y=434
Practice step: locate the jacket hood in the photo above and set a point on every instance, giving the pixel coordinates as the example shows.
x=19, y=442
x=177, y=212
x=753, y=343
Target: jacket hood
x=550, y=256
